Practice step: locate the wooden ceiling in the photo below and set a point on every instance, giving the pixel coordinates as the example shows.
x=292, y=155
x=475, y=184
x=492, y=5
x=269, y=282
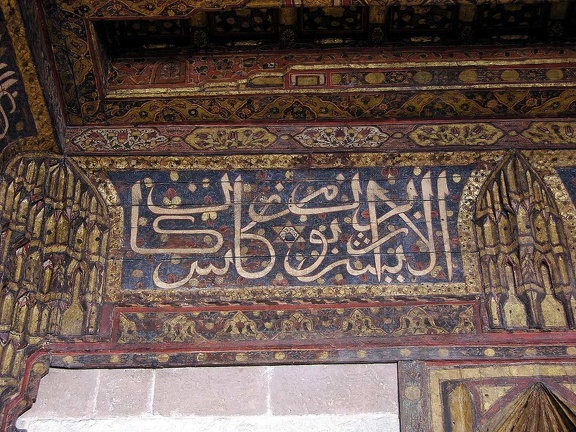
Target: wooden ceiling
x=164, y=76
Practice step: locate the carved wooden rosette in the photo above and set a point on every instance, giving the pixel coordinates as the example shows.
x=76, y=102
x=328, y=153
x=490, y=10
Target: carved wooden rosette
x=53, y=248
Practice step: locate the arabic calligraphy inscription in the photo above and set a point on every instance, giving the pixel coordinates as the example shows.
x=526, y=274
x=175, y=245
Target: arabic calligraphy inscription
x=15, y=117
x=202, y=229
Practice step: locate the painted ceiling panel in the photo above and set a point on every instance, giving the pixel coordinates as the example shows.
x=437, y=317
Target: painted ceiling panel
x=172, y=64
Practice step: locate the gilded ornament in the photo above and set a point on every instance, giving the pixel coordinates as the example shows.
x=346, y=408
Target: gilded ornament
x=19, y=73
x=252, y=325
x=240, y=327
x=551, y=133
x=456, y=134
x=360, y=324
x=232, y=138
x=121, y=139
x=342, y=137
x=52, y=258
x=524, y=258
x=298, y=326
x=418, y=321
x=380, y=82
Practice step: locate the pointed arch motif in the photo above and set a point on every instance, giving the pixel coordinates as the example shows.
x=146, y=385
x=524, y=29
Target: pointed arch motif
x=523, y=250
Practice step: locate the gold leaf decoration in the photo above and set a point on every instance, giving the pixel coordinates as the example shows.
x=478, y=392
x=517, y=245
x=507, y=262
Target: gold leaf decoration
x=240, y=327
x=516, y=213
x=119, y=139
x=460, y=134
x=360, y=324
x=418, y=322
x=551, y=133
x=242, y=138
x=297, y=326
x=179, y=329
x=342, y=137
x=128, y=331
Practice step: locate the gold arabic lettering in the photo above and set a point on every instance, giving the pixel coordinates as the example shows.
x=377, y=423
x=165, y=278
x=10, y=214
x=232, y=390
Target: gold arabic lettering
x=367, y=219
x=6, y=81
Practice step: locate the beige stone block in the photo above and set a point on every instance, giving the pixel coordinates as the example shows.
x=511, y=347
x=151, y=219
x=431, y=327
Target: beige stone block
x=125, y=392
x=355, y=423
x=65, y=393
x=225, y=391
x=334, y=389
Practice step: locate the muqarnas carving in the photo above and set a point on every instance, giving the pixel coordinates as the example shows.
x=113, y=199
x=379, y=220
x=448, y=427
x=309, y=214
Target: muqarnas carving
x=53, y=249
x=525, y=262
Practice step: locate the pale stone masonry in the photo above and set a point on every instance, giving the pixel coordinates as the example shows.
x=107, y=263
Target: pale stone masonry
x=318, y=398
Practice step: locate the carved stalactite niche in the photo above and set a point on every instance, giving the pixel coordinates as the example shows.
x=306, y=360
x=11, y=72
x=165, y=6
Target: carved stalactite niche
x=53, y=248
x=525, y=263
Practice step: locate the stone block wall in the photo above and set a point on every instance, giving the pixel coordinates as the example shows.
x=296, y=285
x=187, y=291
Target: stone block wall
x=315, y=398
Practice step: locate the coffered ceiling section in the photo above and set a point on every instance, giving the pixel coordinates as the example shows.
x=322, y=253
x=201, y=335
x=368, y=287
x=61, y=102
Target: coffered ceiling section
x=169, y=63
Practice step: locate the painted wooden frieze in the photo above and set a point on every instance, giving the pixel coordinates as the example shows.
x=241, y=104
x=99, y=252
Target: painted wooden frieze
x=290, y=227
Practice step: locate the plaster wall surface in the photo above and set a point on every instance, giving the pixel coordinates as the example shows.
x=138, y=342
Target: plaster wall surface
x=337, y=398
